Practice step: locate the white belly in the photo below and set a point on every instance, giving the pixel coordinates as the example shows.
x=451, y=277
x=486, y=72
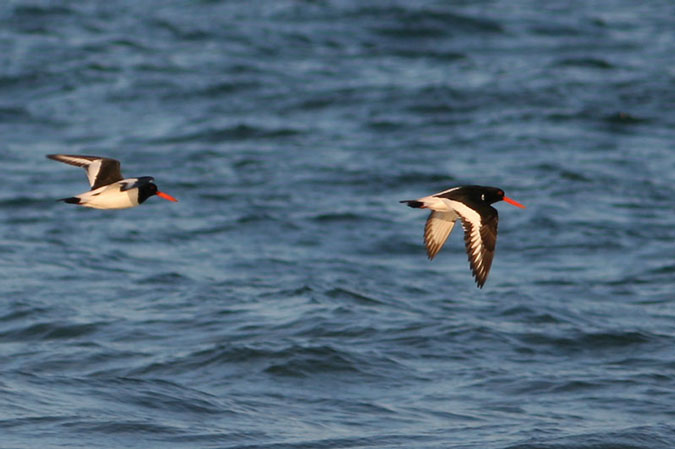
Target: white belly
x=109, y=197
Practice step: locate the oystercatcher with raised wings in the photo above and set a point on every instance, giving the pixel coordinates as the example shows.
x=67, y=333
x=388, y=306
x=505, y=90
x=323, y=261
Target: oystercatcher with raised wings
x=108, y=189
x=471, y=205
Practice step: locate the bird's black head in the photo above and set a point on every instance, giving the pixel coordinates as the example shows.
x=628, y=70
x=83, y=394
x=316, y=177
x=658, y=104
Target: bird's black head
x=482, y=194
x=148, y=188
x=489, y=195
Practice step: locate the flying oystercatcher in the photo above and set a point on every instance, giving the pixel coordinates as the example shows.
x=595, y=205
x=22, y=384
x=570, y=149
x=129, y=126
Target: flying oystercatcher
x=471, y=204
x=108, y=189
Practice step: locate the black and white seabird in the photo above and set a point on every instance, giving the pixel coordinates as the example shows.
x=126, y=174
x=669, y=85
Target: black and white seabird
x=108, y=189
x=472, y=205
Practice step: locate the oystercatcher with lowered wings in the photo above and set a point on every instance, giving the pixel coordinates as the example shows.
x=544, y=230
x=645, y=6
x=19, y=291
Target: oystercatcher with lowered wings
x=471, y=205
x=108, y=189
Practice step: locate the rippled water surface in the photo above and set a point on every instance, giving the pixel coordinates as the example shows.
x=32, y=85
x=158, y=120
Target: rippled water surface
x=286, y=301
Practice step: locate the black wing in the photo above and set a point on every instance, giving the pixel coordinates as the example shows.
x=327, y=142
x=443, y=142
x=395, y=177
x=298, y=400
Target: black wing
x=101, y=171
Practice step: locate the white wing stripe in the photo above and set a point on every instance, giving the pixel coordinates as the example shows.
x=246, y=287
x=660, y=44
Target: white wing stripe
x=92, y=171
x=473, y=217
x=73, y=160
x=445, y=191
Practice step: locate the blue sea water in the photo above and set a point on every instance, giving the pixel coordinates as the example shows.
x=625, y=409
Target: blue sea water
x=286, y=301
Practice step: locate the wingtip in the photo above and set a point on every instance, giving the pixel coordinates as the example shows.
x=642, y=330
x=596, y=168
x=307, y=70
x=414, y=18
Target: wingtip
x=480, y=277
x=480, y=282
x=432, y=251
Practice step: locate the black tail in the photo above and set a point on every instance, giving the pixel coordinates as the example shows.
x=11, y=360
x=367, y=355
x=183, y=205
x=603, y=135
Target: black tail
x=71, y=200
x=413, y=203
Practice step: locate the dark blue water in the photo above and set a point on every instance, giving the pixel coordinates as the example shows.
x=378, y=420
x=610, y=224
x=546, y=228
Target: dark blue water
x=286, y=300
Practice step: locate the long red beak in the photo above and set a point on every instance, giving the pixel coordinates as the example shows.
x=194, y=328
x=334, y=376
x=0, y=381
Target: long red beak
x=166, y=196
x=513, y=202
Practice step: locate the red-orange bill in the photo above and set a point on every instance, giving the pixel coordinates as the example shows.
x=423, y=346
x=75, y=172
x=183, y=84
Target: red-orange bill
x=513, y=202
x=166, y=196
